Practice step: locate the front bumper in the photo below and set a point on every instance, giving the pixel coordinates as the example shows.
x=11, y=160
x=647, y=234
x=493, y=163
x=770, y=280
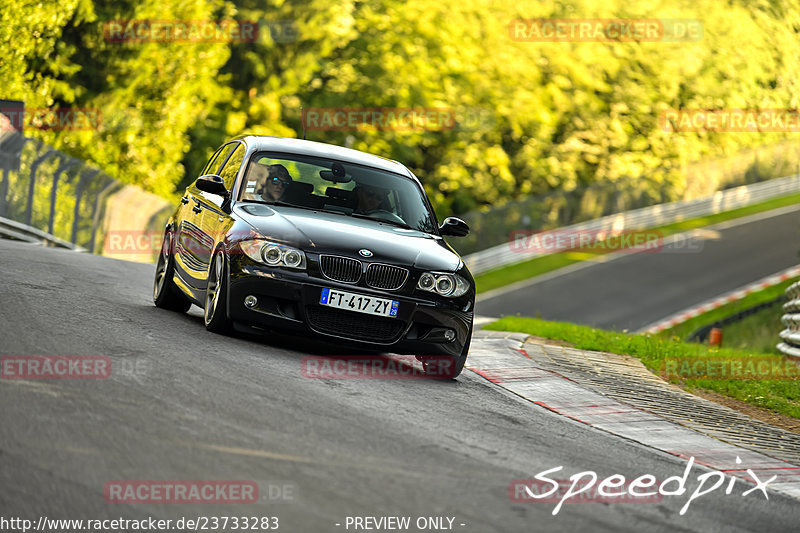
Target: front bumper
x=289, y=300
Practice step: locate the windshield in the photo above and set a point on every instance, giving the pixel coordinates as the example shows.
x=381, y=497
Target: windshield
x=329, y=185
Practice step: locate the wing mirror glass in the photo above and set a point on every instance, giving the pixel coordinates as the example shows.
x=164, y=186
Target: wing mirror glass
x=455, y=227
x=213, y=184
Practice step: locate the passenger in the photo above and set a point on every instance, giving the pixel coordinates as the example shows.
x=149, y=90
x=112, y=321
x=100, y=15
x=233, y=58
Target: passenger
x=258, y=175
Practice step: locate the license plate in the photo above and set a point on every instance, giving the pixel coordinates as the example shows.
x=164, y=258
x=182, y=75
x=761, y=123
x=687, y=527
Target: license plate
x=359, y=303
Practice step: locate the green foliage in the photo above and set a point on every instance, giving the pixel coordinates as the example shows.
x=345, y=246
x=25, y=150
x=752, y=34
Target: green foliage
x=532, y=117
x=758, y=331
x=33, y=58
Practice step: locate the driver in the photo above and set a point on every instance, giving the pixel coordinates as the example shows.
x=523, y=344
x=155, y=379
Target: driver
x=369, y=199
x=277, y=183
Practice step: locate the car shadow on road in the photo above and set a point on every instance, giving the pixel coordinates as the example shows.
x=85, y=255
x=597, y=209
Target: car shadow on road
x=326, y=360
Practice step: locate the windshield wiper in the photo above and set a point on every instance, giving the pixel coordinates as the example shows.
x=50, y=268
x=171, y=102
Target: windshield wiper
x=392, y=222
x=281, y=203
x=264, y=202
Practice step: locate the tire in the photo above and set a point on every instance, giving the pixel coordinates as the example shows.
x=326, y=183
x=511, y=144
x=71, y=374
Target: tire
x=446, y=366
x=216, y=301
x=165, y=294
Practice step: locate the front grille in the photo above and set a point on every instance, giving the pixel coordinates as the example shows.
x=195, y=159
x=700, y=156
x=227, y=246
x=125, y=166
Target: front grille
x=357, y=326
x=341, y=269
x=380, y=276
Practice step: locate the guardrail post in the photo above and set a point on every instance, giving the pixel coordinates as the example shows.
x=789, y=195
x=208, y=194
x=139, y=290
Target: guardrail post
x=13, y=151
x=4, y=193
x=65, y=165
x=82, y=179
x=32, y=184
x=96, y=214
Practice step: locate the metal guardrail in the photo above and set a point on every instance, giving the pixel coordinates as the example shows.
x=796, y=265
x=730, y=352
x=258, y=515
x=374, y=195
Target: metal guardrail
x=10, y=229
x=790, y=336
x=52, y=197
x=644, y=218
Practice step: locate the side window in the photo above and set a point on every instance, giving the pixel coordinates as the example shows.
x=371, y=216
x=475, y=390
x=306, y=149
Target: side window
x=210, y=162
x=213, y=167
x=231, y=168
x=213, y=163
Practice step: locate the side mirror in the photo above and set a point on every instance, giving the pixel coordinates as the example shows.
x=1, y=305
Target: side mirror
x=213, y=184
x=454, y=227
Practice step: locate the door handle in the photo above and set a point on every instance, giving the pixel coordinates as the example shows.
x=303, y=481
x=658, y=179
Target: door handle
x=197, y=208
x=184, y=200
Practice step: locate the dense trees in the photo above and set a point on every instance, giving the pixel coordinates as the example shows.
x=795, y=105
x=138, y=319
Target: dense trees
x=532, y=117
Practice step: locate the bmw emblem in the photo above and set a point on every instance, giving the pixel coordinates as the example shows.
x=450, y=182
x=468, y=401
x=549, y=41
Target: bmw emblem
x=365, y=253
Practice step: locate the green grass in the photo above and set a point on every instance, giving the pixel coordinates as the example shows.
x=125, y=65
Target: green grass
x=537, y=266
x=758, y=332
x=781, y=396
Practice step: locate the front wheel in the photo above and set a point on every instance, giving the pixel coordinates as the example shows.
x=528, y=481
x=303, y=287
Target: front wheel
x=446, y=366
x=165, y=294
x=215, y=311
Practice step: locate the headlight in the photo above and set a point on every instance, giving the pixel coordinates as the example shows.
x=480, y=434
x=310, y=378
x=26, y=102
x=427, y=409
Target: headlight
x=274, y=254
x=451, y=285
x=427, y=281
x=444, y=285
x=293, y=258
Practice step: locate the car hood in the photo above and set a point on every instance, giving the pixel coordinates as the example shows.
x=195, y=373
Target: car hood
x=321, y=232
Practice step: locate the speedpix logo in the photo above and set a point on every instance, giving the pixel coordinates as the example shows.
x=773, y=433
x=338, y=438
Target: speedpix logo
x=616, y=488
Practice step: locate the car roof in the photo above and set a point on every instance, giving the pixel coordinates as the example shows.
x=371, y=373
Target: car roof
x=318, y=149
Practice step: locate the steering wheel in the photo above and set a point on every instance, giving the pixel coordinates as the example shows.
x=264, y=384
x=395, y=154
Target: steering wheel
x=386, y=215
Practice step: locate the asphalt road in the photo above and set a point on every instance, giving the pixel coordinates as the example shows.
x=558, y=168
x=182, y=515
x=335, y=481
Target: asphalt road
x=185, y=404
x=641, y=288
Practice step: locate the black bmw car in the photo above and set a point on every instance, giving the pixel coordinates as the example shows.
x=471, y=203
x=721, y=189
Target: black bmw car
x=288, y=234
